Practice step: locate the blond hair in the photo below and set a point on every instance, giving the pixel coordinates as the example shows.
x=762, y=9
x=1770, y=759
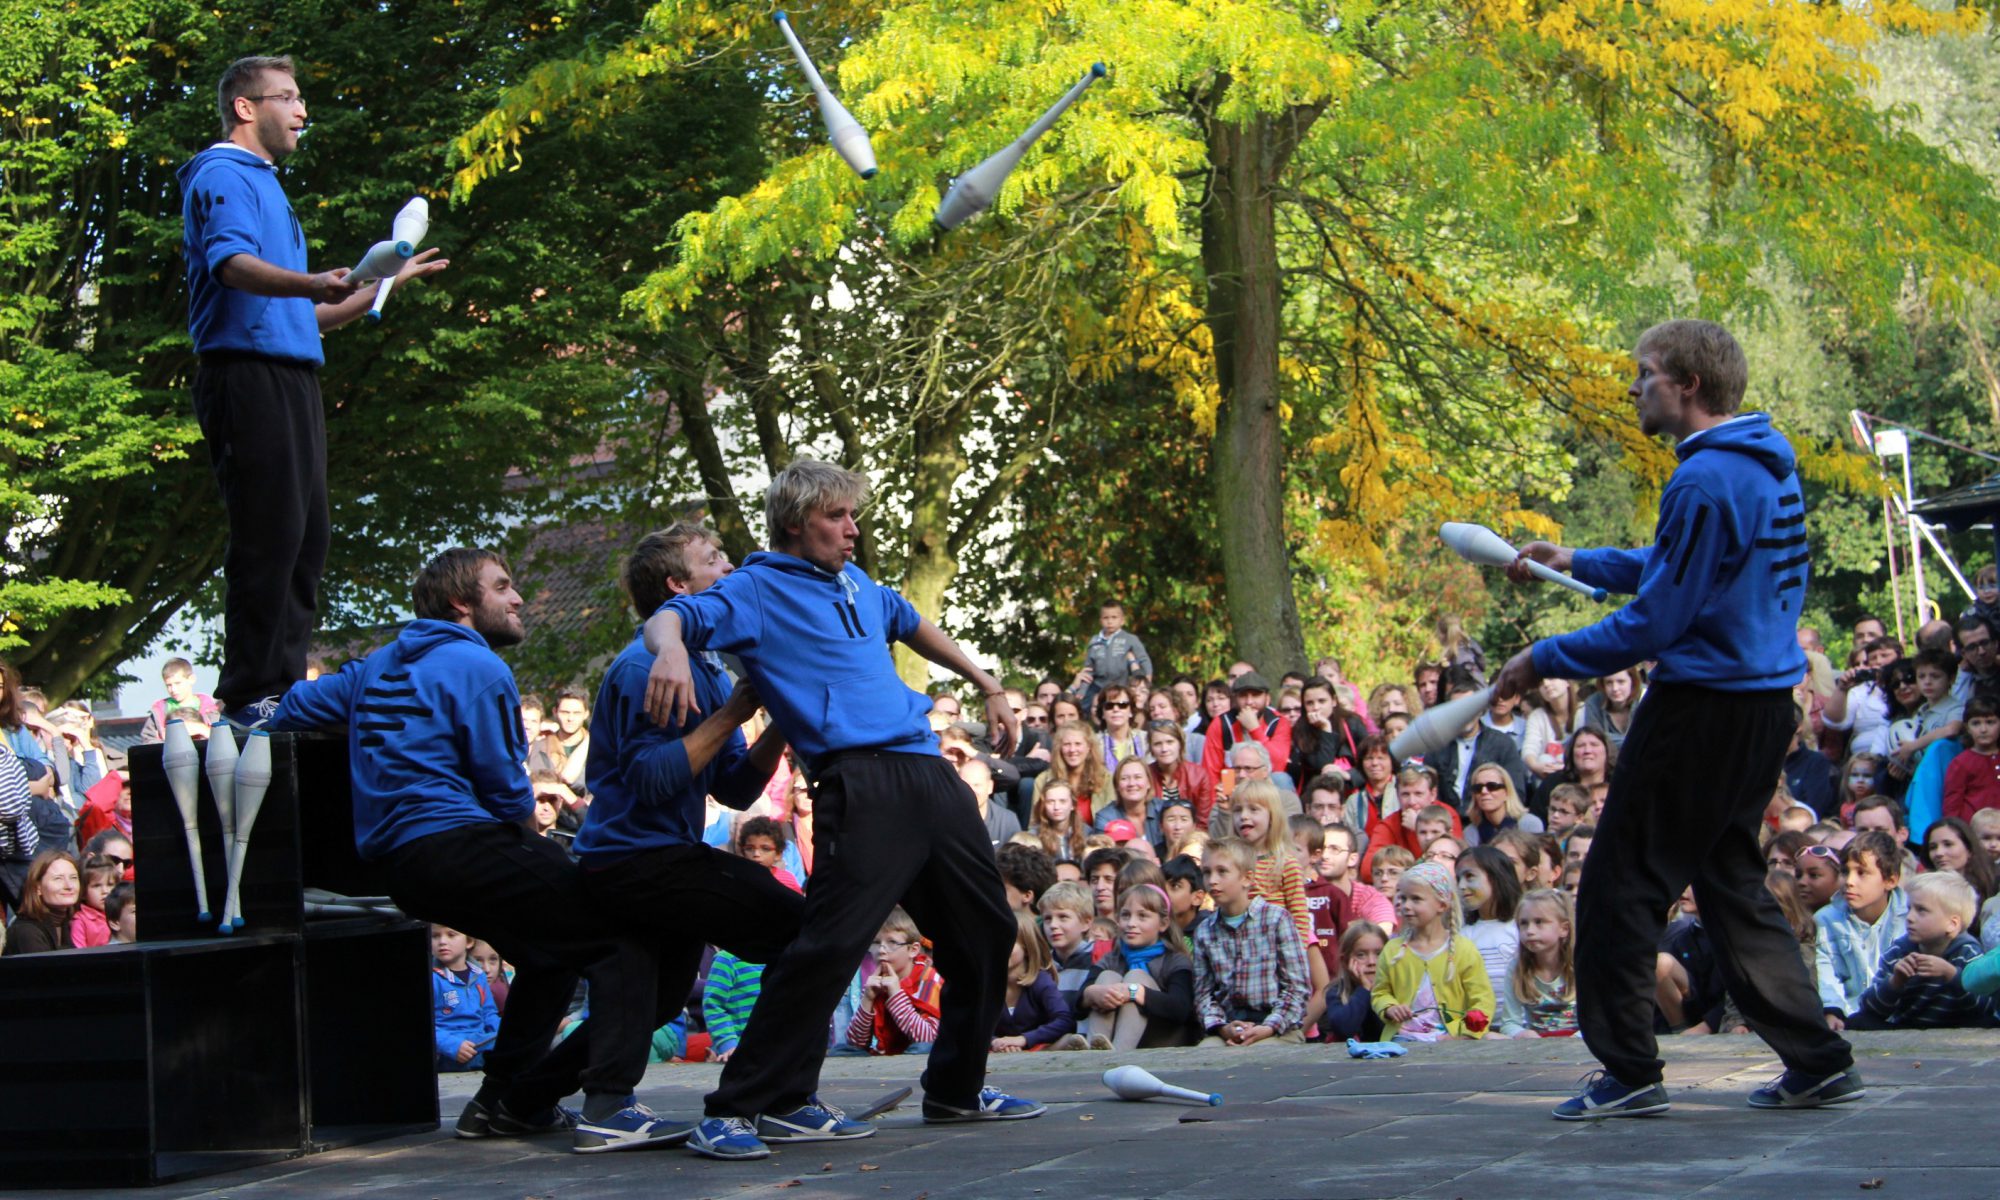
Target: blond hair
x=1264, y=794
x=1700, y=350
x=1036, y=954
x=1524, y=965
x=1234, y=850
x=805, y=487
x=1070, y=897
x=1949, y=891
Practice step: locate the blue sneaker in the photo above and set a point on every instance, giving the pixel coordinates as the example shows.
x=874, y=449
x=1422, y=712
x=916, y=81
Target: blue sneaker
x=247, y=717
x=727, y=1137
x=993, y=1105
x=815, y=1121
x=1793, y=1090
x=1603, y=1096
x=502, y=1123
x=629, y=1128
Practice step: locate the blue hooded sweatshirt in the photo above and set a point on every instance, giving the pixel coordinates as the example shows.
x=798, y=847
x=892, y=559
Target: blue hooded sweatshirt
x=232, y=203
x=642, y=795
x=816, y=644
x=434, y=736
x=1718, y=593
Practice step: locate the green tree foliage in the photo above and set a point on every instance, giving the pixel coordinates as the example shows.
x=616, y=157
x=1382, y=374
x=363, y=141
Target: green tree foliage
x=498, y=372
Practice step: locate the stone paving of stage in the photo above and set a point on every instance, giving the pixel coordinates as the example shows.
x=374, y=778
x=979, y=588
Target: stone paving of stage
x=1459, y=1120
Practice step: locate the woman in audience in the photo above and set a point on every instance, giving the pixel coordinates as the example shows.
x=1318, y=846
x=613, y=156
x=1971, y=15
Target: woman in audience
x=1609, y=709
x=1073, y=760
x=1174, y=778
x=1056, y=823
x=1064, y=710
x=1495, y=806
x=1132, y=800
x=1216, y=700
x=1374, y=795
x=48, y=903
x=1118, y=717
x=1163, y=705
x=1587, y=762
x=1951, y=845
x=1551, y=708
x=1345, y=691
x=1390, y=698
x=1326, y=739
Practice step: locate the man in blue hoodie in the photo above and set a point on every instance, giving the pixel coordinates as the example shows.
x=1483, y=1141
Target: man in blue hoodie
x=1716, y=603
x=441, y=803
x=892, y=822
x=256, y=315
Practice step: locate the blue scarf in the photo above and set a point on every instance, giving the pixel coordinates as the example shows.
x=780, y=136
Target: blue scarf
x=1141, y=958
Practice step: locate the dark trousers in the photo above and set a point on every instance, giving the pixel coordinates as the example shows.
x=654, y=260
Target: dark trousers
x=887, y=829
x=1687, y=798
x=523, y=895
x=674, y=901
x=266, y=438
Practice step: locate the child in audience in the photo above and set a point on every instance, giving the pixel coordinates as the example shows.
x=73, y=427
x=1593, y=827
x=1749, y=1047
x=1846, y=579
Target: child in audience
x=899, y=1004
x=1390, y=863
x=1251, y=977
x=1100, y=871
x=1433, y=822
x=1067, y=910
x=1917, y=986
x=1142, y=994
x=91, y=926
x=1568, y=802
x=762, y=841
x=1349, y=1011
x=1057, y=824
x=1538, y=998
x=1035, y=1014
x=1972, y=780
x=1189, y=892
x=121, y=908
x=1431, y=983
x=1857, y=929
x=466, y=1021
x=1261, y=822
x=1026, y=871
x=1820, y=877
x=1986, y=826
x=1491, y=892
x=1790, y=894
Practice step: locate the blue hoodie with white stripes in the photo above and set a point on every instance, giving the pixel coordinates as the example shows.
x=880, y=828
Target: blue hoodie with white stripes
x=1716, y=597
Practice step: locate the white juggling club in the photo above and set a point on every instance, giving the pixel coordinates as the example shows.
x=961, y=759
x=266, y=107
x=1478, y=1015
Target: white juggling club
x=220, y=766
x=973, y=192
x=1478, y=544
x=1137, y=1083
x=382, y=261
x=409, y=228
x=183, y=768
x=1437, y=726
x=253, y=778
x=849, y=140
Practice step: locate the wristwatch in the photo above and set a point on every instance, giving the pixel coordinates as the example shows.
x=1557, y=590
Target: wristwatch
x=1132, y=990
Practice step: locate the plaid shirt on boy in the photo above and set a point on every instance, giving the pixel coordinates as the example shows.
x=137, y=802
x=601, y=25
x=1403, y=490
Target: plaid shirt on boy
x=1259, y=966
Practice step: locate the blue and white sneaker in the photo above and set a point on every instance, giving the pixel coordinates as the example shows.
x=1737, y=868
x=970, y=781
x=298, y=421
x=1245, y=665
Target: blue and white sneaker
x=1793, y=1090
x=502, y=1123
x=1603, y=1096
x=727, y=1137
x=815, y=1121
x=629, y=1128
x=249, y=716
x=994, y=1105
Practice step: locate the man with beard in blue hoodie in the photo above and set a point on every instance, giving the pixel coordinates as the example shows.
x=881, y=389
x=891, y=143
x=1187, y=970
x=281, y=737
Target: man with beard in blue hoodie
x=441, y=804
x=1716, y=602
x=892, y=822
x=256, y=315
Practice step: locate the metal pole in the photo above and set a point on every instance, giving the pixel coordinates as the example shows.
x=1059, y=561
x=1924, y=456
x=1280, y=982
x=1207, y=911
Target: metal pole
x=1916, y=550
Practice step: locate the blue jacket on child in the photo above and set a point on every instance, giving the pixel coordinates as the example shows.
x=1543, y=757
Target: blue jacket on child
x=1716, y=598
x=232, y=203
x=816, y=644
x=1850, y=949
x=433, y=733
x=463, y=1008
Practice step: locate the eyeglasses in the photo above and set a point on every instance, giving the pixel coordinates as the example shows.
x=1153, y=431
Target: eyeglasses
x=1290, y=710
x=1117, y=704
x=115, y=860
x=282, y=97
x=889, y=944
x=1487, y=785
x=1034, y=720
x=1985, y=643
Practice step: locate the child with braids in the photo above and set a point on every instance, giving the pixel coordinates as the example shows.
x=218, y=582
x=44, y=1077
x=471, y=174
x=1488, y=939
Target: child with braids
x=1431, y=983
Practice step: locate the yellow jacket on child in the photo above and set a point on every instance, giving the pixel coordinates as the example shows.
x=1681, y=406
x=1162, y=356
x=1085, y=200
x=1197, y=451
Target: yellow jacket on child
x=1458, y=980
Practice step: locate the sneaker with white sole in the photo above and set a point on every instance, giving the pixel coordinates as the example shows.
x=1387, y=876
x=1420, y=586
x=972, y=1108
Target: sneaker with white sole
x=814, y=1121
x=249, y=716
x=475, y=1120
x=727, y=1137
x=629, y=1128
x=993, y=1105
x=1604, y=1096
x=1794, y=1090
x=500, y=1122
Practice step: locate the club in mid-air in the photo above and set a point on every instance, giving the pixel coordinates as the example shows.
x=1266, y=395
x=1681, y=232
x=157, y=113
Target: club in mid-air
x=1437, y=726
x=1478, y=544
x=973, y=192
x=849, y=139
x=409, y=228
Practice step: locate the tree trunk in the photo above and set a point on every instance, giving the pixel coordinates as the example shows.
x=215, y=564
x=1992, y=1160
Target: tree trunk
x=1239, y=253
x=931, y=563
x=690, y=399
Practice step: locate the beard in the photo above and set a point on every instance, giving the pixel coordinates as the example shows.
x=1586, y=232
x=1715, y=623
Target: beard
x=497, y=626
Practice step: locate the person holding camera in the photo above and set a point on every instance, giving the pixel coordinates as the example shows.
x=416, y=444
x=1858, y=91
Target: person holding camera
x=1859, y=704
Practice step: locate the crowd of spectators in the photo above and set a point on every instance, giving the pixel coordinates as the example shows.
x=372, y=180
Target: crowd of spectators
x=1230, y=860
